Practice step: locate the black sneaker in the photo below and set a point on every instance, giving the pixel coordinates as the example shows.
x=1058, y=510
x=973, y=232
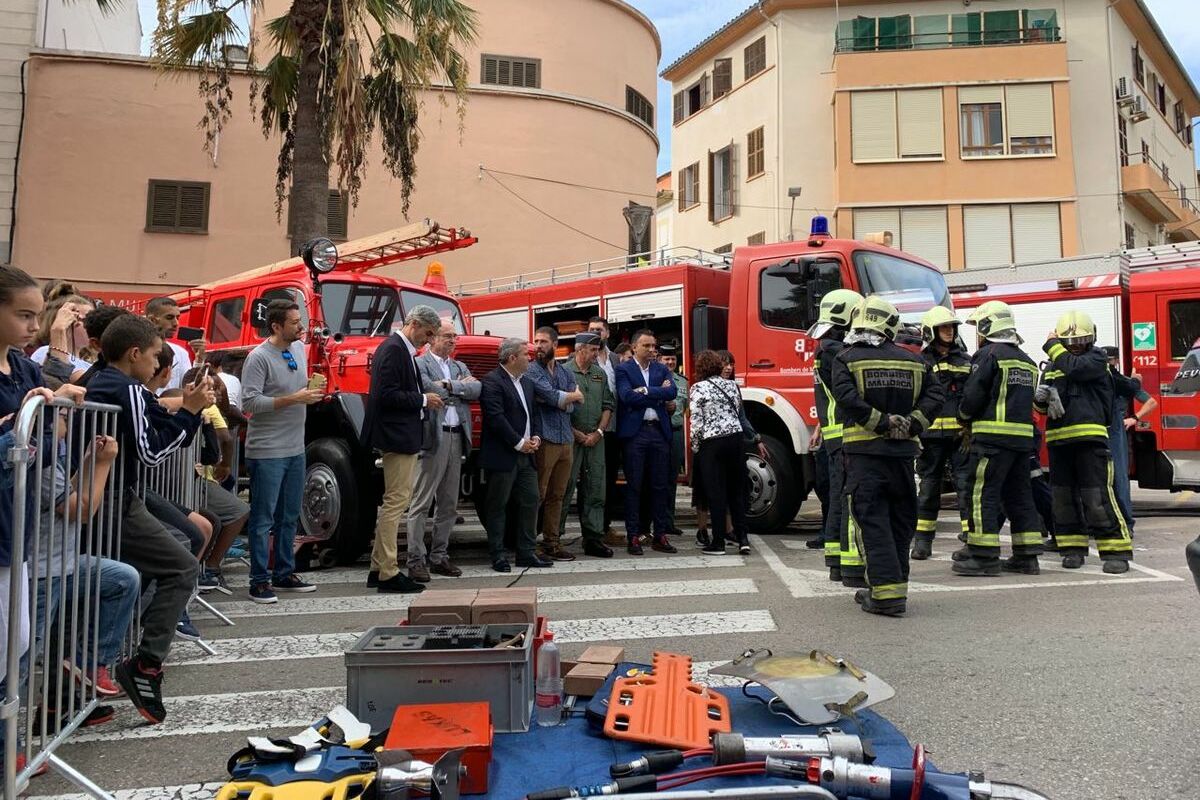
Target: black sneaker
x=292, y=583
x=399, y=584
x=713, y=550
x=373, y=579
x=262, y=593
x=144, y=687
x=744, y=547
x=702, y=537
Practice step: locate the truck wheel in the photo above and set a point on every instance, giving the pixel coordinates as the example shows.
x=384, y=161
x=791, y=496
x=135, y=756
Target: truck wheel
x=331, y=509
x=776, y=491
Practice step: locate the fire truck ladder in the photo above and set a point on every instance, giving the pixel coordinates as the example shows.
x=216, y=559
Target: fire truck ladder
x=666, y=257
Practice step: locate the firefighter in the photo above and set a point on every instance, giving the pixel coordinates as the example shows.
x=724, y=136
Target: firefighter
x=941, y=444
x=886, y=397
x=833, y=321
x=997, y=405
x=1077, y=395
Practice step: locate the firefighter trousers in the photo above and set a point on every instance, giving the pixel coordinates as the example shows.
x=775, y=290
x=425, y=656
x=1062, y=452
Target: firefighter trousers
x=997, y=486
x=883, y=520
x=1081, y=479
x=936, y=454
x=833, y=528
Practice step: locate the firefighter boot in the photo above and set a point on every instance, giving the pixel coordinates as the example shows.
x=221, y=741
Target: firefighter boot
x=961, y=554
x=1116, y=566
x=1072, y=561
x=835, y=574
x=1025, y=565
x=892, y=608
x=922, y=548
x=977, y=567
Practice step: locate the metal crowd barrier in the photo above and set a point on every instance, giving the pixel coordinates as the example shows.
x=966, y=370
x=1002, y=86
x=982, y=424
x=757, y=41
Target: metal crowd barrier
x=43, y=704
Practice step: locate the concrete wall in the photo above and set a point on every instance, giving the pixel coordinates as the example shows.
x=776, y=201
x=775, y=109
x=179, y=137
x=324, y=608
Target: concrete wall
x=81, y=25
x=99, y=129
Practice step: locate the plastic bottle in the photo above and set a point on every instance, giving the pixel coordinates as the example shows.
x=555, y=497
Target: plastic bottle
x=548, y=687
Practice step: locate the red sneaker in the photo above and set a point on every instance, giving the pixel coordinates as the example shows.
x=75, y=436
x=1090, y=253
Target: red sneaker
x=105, y=687
x=21, y=765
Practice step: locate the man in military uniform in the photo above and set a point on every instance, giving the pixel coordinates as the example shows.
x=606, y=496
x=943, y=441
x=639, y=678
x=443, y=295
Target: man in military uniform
x=833, y=321
x=1081, y=466
x=588, y=422
x=667, y=355
x=886, y=396
x=941, y=445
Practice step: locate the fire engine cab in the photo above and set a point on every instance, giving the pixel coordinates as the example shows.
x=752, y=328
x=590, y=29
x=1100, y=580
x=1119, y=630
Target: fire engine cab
x=1145, y=302
x=757, y=304
x=347, y=312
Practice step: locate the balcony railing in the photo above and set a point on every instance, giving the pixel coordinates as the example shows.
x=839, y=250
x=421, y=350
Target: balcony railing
x=922, y=41
x=1174, y=191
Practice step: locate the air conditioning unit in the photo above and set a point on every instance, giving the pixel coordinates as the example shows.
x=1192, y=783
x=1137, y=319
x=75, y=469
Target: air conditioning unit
x=1137, y=110
x=1124, y=96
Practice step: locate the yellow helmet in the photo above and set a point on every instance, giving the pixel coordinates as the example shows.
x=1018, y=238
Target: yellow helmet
x=836, y=307
x=935, y=318
x=876, y=315
x=1075, y=328
x=983, y=309
x=997, y=319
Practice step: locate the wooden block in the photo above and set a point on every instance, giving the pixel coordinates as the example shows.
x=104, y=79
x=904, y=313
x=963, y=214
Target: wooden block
x=603, y=654
x=517, y=605
x=442, y=607
x=584, y=680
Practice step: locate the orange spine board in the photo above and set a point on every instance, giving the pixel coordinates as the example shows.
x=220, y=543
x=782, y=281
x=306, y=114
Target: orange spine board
x=666, y=708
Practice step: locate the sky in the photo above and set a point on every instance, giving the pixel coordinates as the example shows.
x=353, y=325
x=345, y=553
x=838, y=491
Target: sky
x=682, y=24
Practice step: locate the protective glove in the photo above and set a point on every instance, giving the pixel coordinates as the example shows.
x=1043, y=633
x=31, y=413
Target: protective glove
x=1054, y=405
x=1042, y=394
x=965, y=446
x=897, y=427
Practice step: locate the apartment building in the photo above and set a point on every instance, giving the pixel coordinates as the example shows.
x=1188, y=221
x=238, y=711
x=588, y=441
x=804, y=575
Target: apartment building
x=978, y=134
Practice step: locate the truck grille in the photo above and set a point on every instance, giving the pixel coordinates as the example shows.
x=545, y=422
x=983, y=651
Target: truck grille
x=480, y=364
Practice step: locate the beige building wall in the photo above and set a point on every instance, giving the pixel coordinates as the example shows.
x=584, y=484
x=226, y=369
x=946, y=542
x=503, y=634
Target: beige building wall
x=99, y=129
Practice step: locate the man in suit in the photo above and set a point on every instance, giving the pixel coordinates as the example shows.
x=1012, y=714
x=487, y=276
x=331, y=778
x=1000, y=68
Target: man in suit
x=644, y=387
x=511, y=435
x=446, y=441
x=396, y=405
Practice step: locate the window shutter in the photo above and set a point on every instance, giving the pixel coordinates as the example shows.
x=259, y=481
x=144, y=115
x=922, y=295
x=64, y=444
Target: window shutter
x=711, y=186
x=193, y=207
x=920, y=122
x=757, y=238
x=679, y=182
x=491, y=69
x=1030, y=109
x=731, y=162
x=987, y=236
x=722, y=77
x=980, y=94
x=677, y=108
x=337, y=214
x=1036, y=232
x=533, y=77
x=164, y=201
x=504, y=74
x=695, y=179
x=876, y=220
x=705, y=90
x=873, y=125
x=923, y=233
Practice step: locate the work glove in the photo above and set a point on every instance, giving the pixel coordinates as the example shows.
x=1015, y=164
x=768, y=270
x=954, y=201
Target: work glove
x=1042, y=394
x=897, y=427
x=1054, y=405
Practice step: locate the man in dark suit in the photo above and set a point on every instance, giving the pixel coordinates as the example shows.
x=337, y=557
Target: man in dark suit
x=396, y=404
x=644, y=387
x=511, y=434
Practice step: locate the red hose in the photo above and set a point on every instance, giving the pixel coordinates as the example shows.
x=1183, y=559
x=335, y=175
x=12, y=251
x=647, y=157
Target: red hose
x=678, y=779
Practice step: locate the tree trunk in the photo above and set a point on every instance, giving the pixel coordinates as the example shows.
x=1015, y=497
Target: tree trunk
x=308, y=200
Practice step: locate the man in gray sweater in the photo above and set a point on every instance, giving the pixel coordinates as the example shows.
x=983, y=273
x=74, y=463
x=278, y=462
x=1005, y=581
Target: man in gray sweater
x=275, y=395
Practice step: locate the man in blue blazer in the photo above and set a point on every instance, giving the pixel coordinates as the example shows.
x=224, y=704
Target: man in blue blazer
x=644, y=427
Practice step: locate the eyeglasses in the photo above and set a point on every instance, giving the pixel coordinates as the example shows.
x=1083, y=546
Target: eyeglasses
x=291, y=360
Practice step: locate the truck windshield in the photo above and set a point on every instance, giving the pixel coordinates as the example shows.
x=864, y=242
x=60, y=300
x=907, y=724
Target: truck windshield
x=359, y=309
x=913, y=289
x=444, y=306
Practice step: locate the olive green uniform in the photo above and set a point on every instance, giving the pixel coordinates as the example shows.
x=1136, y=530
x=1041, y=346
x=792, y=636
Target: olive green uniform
x=587, y=463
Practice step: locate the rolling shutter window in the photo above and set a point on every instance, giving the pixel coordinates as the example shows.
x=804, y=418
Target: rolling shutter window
x=987, y=236
x=923, y=233
x=645, y=305
x=1036, y=232
x=876, y=220
x=873, y=126
x=502, y=323
x=980, y=94
x=1030, y=110
x=920, y=123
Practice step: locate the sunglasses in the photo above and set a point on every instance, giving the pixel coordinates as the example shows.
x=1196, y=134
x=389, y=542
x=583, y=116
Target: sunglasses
x=291, y=360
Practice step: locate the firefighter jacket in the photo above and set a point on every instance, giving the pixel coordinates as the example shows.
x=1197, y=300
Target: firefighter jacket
x=870, y=383
x=951, y=370
x=1086, y=390
x=997, y=400
x=827, y=414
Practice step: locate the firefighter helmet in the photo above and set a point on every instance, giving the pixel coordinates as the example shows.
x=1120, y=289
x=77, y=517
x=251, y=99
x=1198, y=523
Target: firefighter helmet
x=935, y=318
x=1075, y=328
x=997, y=318
x=836, y=307
x=876, y=315
x=984, y=309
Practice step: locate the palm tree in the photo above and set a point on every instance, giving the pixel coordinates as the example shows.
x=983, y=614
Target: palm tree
x=336, y=70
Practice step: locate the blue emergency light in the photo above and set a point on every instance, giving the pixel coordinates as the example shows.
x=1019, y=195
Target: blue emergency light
x=820, y=226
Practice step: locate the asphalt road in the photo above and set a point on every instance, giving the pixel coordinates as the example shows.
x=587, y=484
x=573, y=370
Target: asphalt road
x=1081, y=684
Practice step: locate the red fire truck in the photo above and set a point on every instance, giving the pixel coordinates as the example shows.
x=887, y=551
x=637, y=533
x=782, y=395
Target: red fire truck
x=1146, y=303
x=757, y=303
x=347, y=312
